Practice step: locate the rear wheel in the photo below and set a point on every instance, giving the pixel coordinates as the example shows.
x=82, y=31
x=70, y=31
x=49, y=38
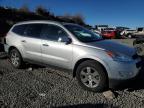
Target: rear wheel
x=91, y=76
x=16, y=58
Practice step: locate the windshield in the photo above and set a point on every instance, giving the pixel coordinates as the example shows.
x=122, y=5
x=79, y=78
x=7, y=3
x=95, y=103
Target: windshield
x=83, y=34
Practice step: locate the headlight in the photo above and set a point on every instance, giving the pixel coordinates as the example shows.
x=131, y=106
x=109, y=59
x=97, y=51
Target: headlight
x=119, y=57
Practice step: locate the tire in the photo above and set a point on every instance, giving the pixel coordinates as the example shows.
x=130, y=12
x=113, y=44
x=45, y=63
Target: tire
x=96, y=80
x=16, y=59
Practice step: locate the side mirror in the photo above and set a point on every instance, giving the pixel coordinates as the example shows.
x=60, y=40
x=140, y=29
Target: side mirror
x=64, y=39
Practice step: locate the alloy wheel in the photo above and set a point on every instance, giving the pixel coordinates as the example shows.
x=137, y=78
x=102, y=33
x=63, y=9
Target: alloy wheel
x=15, y=59
x=90, y=77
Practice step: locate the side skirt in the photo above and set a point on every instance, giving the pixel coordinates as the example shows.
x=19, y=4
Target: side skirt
x=69, y=71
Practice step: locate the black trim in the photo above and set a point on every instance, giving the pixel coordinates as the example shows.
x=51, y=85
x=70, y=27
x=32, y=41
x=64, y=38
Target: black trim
x=117, y=84
x=135, y=56
x=120, y=84
x=1, y=47
x=139, y=64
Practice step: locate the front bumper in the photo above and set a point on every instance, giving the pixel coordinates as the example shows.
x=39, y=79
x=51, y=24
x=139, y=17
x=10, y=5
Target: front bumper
x=121, y=83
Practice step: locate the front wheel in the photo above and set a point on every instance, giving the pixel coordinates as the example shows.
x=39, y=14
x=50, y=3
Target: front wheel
x=15, y=58
x=91, y=76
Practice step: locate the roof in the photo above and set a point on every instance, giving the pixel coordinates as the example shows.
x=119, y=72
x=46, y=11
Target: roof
x=45, y=21
x=37, y=21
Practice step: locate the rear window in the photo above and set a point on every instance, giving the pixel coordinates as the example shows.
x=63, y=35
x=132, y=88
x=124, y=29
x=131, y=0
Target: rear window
x=19, y=29
x=33, y=30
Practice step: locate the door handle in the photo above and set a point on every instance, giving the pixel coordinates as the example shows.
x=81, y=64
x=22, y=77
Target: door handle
x=45, y=44
x=23, y=41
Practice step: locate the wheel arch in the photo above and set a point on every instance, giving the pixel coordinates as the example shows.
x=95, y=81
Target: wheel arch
x=14, y=47
x=85, y=59
x=11, y=48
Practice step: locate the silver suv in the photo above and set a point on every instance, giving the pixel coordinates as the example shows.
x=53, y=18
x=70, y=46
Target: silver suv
x=96, y=63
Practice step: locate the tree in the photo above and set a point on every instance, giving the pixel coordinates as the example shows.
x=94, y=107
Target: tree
x=78, y=18
x=68, y=16
x=40, y=10
x=24, y=8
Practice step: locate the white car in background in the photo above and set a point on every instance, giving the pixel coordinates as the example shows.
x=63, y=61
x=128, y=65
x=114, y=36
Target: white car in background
x=128, y=33
x=140, y=32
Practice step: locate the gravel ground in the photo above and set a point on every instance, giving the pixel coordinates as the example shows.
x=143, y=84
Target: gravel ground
x=45, y=87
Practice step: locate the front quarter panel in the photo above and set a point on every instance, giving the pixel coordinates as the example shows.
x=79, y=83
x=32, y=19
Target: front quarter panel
x=82, y=52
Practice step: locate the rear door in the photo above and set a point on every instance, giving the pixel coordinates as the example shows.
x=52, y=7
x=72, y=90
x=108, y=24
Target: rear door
x=55, y=52
x=32, y=42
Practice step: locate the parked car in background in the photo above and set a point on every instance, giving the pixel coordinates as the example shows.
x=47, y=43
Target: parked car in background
x=97, y=31
x=101, y=27
x=128, y=33
x=96, y=63
x=118, y=32
x=139, y=33
x=108, y=33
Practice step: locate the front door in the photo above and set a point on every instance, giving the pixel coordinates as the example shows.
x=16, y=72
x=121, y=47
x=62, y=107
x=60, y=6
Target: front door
x=55, y=52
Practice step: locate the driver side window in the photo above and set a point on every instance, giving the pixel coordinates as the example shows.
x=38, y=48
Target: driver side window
x=52, y=32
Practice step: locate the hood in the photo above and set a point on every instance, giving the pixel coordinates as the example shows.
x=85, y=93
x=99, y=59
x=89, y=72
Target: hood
x=114, y=46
